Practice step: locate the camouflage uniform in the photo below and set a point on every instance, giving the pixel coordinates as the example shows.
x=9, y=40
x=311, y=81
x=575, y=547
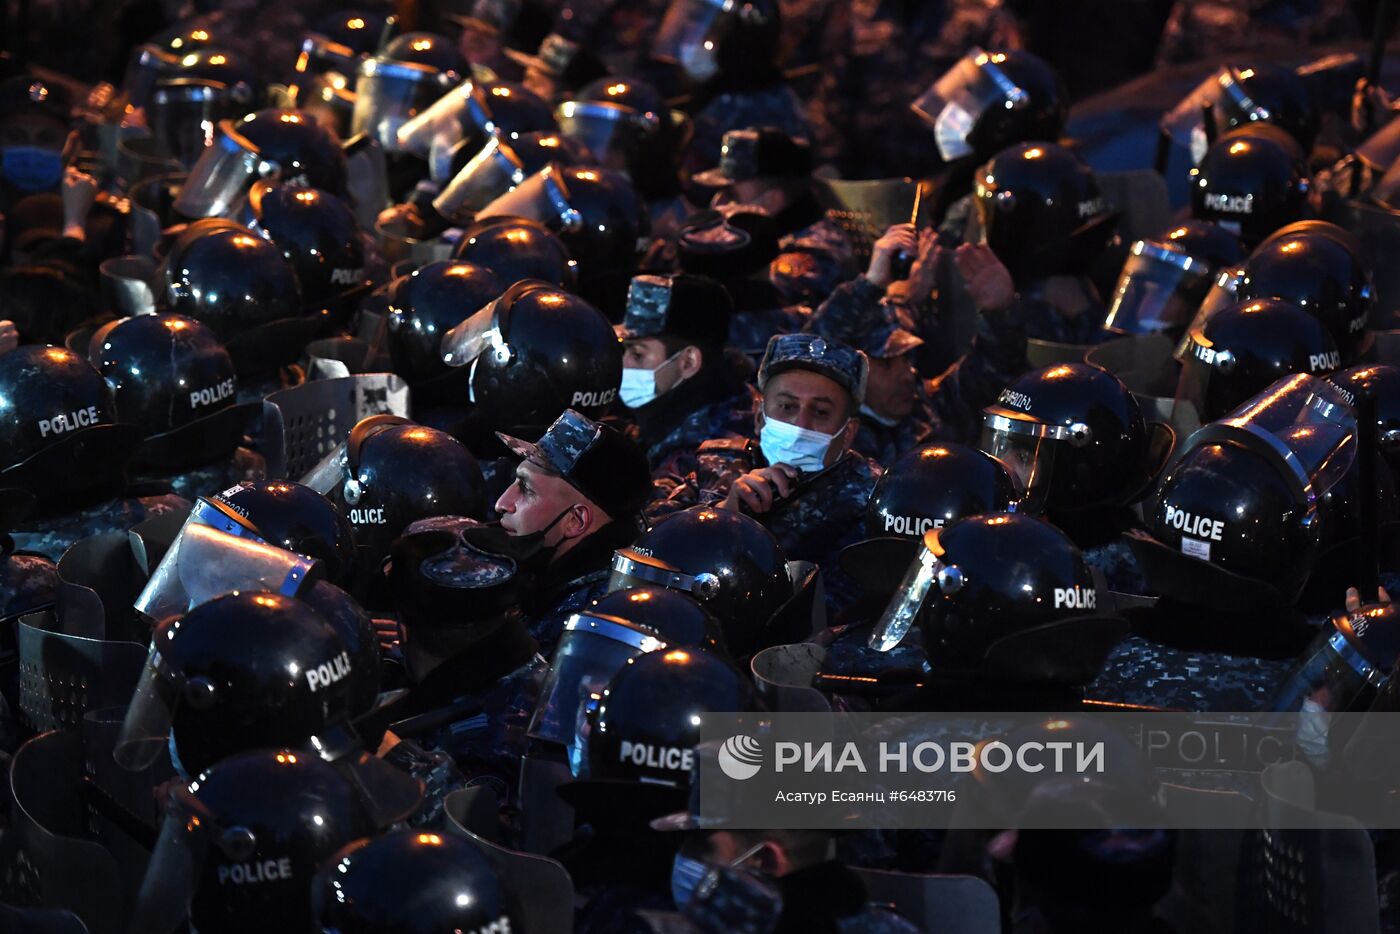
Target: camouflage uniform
x=882, y=55
x=712, y=404
x=950, y=407
x=51, y=536
x=1209, y=29
x=835, y=260
x=814, y=526
x=572, y=582
x=209, y=479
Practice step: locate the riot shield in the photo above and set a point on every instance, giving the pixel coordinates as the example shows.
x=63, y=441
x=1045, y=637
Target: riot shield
x=126, y=286
x=1145, y=364
x=548, y=907
x=547, y=822
x=783, y=675
x=1378, y=229
x=965, y=904
x=303, y=424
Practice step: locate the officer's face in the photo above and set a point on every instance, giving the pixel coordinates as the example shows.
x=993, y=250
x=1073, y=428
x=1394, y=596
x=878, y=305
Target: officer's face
x=890, y=391
x=807, y=400
x=648, y=353
x=535, y=500
x=33, y=130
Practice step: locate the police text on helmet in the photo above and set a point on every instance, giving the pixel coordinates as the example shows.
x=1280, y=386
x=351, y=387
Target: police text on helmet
x=656, y=757
x=267, y=870
x=368, y=516
x=328, y=673
x=1197, y=526
x=1076, y=598
x=911, y=525
x=1328, y=360
x=595, y=398
x=1230, y=204
x=212, y=394
x=80, y=418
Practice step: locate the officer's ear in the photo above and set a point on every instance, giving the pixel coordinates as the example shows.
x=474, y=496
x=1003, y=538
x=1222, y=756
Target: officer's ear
x=758, y=418
x=691, y=360
x=577, y=521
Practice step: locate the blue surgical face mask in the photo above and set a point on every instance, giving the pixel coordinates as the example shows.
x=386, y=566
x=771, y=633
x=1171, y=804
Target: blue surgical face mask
x=686, y=875
x=786, y=443
x=639, y=384
x=31, y=168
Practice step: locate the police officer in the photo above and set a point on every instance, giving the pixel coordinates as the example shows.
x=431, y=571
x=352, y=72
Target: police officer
x=900, y=410
x=473, y=668
x=676, y=379
x=577, y=496
x=803, y=478
x=1251, y=181
x=765, y=166
x=33, y=129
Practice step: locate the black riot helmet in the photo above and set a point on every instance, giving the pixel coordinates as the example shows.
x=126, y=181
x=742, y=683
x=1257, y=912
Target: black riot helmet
x=676, y=618
x=598, y=216
x=411, y=882
x=441, y=580
x=991, y=100
x=500, y=165
x=1004, y=596
x=732, y=45
x=1165, y=278
x=171, y=378
x=1042, y=211
x=627, y=126
x=1381, y=383
x=160, y=56
x=399, y=83
x=458, y=124
x=275, y=145
x=424, y=306
x=240, y=845
x=339, y=42
x=239, y=672
x=924, y=489
x=515, y=248
x=1318, y=267
x=644, y=728
x=1240, y=350
x=534, y=352
x=298, y=519
x=321, y=238
x=204, y=87
x=391, y=472
x=1243, y=96
x=1257, y=499
x=724, y=559
x=240, y=287
x=1074, y=437
x=1251, y=181
x=59, y=436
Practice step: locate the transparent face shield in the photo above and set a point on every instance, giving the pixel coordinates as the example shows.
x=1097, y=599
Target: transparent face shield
x=591, y=650
x=1223, y=293
x=539, y=198
x=184, y=116
x=482, y=332
x=684, y=36
x=1200, y=361
x=494, y=171
x=631, y=569
x=219, y=181
x=1160, y=289
x=321, y=56
x=335, y=476
x=1185, y=123
x=611, y=132
x=204, y=563
x=148, y=64
x=1027, y=449
x=903, y=609
x=459, y=113
x=390, y=94
x=954, y=102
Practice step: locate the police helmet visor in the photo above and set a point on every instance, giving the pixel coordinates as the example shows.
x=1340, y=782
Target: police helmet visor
x=485, y=330
x=633, y=569
x=1201, y=362
x=449, y=119
x=539, y=198
x=953, y=104
x=389, y=94
x=148, y=64
x=685, y=36
x=592, y=649
x=1026, y=448
x=1305, y=422
x=172, y=875
x=1185, y=123
x=495, y=170
x=322, y=56
x=1223, y=293
x=151, y=710
x=611, y=132
x=1160, y=289
x=183, y=115
x=903, y=609
x=204, y=562
x=218, y=184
